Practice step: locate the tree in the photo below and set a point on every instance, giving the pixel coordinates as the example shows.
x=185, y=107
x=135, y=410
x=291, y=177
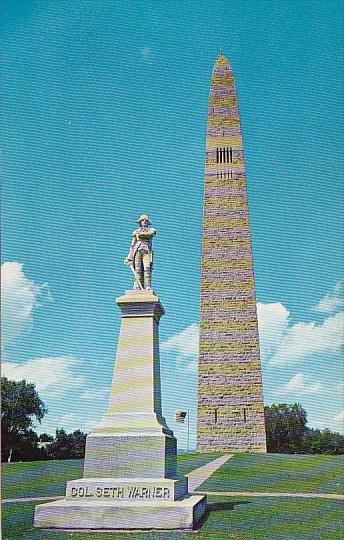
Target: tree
x=322, y=442
x=45, y=438
x=28, y=447
x=21, y=406
x=285, y=427
x=67, y=446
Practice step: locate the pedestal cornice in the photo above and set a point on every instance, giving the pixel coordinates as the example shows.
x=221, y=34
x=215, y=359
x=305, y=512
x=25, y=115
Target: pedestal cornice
x=137, y=303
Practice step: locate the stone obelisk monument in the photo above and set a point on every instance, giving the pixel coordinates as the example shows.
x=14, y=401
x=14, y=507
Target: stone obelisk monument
x=230, y=410
x=130, y=479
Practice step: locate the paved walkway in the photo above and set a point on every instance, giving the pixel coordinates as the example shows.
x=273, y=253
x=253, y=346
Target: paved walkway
x=335, y=496
x=30, y=499
x=265, y=494
x=200, y=475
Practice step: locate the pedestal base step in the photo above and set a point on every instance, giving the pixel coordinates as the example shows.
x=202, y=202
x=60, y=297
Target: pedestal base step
x=71, y=514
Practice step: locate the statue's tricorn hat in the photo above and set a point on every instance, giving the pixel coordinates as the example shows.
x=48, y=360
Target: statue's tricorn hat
x=141, y=218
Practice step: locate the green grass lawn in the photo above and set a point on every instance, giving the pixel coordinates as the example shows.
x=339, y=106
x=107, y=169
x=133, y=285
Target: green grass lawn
x=237, y=518
x=279, y=473
x=39, y=478
x=229, y=518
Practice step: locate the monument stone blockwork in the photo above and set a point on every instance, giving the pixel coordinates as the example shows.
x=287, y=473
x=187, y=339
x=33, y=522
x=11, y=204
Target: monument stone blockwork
x=230, y=403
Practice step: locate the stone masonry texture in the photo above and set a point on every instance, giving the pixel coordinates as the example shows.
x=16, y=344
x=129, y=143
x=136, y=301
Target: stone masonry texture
x=230, y=402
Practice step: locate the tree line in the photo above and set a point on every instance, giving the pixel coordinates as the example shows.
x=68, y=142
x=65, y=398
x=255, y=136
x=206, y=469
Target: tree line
x=287, y=432
x=286, y=429
x=21, y=408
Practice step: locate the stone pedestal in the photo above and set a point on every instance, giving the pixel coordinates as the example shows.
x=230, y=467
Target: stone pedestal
x=130, y=479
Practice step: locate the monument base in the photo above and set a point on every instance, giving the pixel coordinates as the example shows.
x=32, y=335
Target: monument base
x=98, y=515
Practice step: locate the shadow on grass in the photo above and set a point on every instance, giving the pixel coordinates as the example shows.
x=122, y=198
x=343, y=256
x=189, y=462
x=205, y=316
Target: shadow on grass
x=218, y=507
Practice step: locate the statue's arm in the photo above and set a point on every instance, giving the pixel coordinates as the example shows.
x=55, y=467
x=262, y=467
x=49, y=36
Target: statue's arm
x=148, y=233
x=130, y=256
x=145, y=234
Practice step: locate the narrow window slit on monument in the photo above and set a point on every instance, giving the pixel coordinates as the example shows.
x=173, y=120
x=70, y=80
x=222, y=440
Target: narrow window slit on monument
x=231, y=154
x=244, y=414
x=215, y=416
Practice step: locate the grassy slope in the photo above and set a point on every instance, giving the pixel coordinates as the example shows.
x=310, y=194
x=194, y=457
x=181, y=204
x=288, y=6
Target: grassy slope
x=230, y=518
x=279, y=473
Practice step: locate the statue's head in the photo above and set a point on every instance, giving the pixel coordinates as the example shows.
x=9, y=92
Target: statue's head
x=143, y=221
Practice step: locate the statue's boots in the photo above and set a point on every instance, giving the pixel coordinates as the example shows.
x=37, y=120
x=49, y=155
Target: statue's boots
x=148, y=279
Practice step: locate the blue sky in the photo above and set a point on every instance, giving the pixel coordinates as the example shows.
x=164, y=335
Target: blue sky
x=105, y=107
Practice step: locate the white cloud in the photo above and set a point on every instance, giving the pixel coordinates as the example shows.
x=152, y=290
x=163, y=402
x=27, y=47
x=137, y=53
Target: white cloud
x=339, y=417
x=185, y=345
x=337, y=422
x=333, y=301
x=273, y=322
x=20, y=296
x=146, y=53
x=304, y=340
x=300, y=384
x=53, y=376
x=283, y=343
x=94, y=394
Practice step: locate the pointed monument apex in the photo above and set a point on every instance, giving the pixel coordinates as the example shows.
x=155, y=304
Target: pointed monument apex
x=221, y=60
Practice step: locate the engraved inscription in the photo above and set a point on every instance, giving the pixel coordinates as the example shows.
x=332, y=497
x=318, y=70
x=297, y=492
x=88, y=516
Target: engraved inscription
x=122, y=492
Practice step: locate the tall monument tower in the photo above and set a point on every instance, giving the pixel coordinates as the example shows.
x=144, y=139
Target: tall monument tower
x=230, y=403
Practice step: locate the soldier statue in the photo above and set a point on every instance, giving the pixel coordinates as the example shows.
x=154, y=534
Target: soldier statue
x=140, y=256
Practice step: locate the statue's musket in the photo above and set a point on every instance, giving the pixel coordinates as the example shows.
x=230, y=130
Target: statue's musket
x=136, y=278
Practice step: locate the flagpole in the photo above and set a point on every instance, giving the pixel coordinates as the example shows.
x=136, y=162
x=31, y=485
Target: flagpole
x=187, y=448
